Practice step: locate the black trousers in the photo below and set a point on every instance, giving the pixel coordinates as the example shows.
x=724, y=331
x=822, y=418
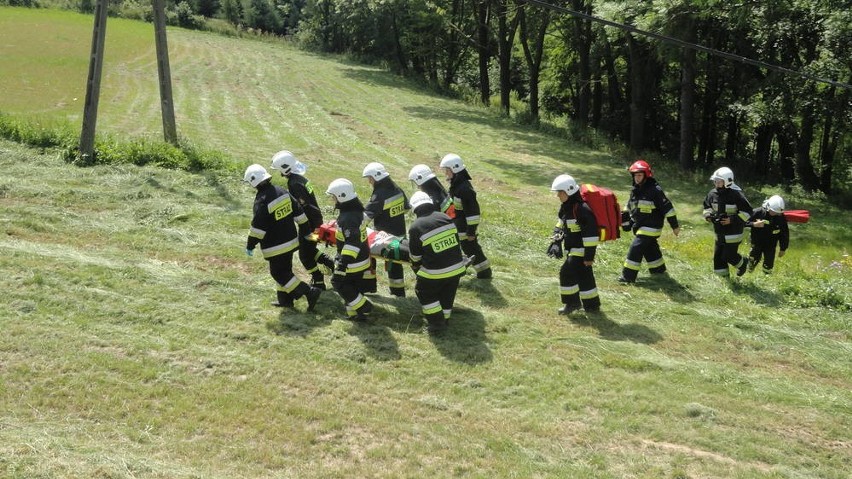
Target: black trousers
x=437, y=295
x=351, y=288
x=577, y=284
x=647, y=248
x=474, y=250
x=766, y=251
x=289, y=286
x=725, y=254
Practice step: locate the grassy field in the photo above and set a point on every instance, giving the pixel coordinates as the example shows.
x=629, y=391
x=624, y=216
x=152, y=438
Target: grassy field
x=138, y=341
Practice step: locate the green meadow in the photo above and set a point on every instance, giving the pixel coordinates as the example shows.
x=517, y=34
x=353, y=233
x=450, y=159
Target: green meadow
x=138, y=341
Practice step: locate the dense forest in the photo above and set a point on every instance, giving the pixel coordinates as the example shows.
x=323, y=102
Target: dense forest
x=775, y=106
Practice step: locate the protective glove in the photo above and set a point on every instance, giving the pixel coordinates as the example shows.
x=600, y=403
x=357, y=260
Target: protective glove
x=249, y=252
x=555, y=250
x=339, y=266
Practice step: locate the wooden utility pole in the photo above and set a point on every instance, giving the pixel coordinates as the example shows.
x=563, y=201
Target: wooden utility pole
x=166, y=103
x=93, y=85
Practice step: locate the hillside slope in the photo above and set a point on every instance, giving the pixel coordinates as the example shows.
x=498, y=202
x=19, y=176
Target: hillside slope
x=138, y=340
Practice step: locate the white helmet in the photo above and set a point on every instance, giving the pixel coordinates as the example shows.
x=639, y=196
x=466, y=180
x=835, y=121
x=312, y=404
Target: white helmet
x=453, y=162
x=255, y=175
x=419, y=198
x=774, y=204
x=376, y=171
x=420, y=174
x=284, y=161
x=724, y=173
x=342, y=189
x=565, y=183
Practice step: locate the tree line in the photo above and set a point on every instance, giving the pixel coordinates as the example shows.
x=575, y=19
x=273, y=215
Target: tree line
x=681, y=103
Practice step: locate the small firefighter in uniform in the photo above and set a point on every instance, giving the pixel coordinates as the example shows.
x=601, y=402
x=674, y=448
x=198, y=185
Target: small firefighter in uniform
x=274, y=228
x=353, y=253
x=386, y=209
x=768, y=230
x=576, y=230
x=303, y=191
x=644, y=213
x=436, y=257
x=728, y=209
x=466, y=212
x=426, y=181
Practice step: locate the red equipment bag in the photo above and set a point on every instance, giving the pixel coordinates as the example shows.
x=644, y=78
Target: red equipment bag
x=797, y=216
x=607, y=211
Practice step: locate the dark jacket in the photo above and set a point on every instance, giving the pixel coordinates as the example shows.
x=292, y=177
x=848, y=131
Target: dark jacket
x=648, y=206
x=464, y=200
x=303, y=191
x=580, y=228
x=775, y=229
x=274, y=221
x=353, y=253
x=433, y=245
x=726, y=202
x=387, y=207
x=437, y=193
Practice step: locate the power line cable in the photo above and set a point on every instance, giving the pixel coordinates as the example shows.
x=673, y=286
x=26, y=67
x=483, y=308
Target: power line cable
x=691, y=46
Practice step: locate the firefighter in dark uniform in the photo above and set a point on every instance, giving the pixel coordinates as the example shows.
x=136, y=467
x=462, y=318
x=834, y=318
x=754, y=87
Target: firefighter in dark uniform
x=303, y=191
x=644, y=213
x=436, y=257
x=576, y=230
x=274, y=228
x=386, y=209
x=353, y=253
x=466, y=212
x=769, y=230
x=728, y=209
x=426, y=181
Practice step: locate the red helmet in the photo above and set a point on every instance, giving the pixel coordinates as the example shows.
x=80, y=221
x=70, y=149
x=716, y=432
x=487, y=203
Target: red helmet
x=641, y=166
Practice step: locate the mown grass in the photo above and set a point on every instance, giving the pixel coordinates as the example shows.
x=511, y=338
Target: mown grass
x=138, y=340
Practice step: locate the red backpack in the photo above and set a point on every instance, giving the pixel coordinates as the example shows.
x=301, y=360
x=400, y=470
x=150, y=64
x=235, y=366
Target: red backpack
x=607, y=211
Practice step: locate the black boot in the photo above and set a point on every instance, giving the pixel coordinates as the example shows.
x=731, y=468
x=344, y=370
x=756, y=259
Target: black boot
x=313, y=295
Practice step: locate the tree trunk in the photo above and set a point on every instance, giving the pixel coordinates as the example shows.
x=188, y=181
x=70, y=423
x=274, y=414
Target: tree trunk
x=638, y=94
x=484, y=50
x=804, y=167
x=533, y=55
x=763, y=136
x=732, y=141
x=505, y=38
x=583, y=46
x=707, y=136
x=786, y=156
x=687, y=105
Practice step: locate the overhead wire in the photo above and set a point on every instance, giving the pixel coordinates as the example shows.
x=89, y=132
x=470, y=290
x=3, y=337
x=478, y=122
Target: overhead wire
x=689, y=45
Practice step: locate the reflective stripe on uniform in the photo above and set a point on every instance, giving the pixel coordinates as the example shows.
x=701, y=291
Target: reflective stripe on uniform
x=281, y=248
x=432, y=308
x=648, y=231
x=569, y=290
x=290, y=286
x=257, y=233
x=442, y=273
x=738, y=238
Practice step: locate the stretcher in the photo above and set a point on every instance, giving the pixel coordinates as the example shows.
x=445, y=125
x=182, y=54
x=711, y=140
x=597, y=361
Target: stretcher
x=382, y=244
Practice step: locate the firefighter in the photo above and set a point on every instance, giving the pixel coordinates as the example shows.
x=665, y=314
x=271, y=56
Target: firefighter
x=436, y=258
x=644, y=213
x=768, y=230
x=274, y=228
x=386, y=209
x=426, y=181
x=576, y=230
x=353, y=253
x=303, y=191
x=466, y=212
x=728, y=209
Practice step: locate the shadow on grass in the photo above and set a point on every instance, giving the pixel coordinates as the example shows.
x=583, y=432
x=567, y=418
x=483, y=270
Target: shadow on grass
x=465, y=340
x=668, y=286
x=485, y=289
x=758, y=294
x=609, y=329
